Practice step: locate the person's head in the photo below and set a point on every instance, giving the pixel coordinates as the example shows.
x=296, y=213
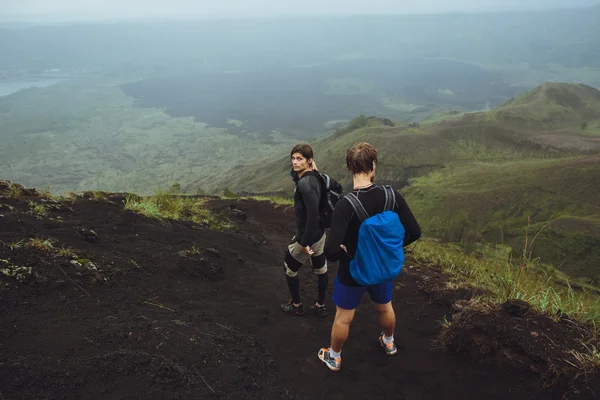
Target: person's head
x=361, y=159
x=302, y=158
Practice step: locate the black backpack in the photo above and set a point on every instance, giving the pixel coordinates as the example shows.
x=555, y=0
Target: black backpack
x=332, y=193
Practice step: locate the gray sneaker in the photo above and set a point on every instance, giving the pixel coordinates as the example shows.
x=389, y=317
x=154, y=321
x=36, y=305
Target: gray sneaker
x=333, y=364
x=390, y=348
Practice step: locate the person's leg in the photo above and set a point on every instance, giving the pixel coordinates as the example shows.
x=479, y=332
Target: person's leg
x=387, y=318
x=341, y=328
x=382, y=297
x=293, y=261
x=332, y=356
x=319, y=264
x=346, y=300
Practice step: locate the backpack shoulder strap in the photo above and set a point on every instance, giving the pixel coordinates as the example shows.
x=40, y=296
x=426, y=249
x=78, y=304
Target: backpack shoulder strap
x=390, y=198
x=358, y=207
x=327, y=181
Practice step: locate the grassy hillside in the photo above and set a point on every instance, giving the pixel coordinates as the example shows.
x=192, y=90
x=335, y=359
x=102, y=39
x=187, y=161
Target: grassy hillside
x=88, y=135
x=550, y=106
x=500, y=203
x=491, y=176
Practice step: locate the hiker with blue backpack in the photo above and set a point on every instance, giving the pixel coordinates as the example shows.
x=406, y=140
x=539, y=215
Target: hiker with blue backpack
x=369, y=229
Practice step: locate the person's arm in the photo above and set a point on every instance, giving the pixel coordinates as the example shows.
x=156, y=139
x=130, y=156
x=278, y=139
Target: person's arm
x=411, y=226
x=311, y=202
x=339, y=225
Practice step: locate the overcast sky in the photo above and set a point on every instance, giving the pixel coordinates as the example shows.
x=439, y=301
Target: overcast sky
x=94, y=9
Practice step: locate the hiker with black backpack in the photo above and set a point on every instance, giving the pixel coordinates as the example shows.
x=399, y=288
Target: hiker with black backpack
x=312, y=198
x=370, y=227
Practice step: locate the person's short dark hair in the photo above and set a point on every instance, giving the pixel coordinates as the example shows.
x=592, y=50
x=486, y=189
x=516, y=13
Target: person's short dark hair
x=360, y=158
x=304, y=149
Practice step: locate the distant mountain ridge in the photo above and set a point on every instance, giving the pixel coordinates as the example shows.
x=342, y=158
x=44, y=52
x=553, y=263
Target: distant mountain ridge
x=519, y=128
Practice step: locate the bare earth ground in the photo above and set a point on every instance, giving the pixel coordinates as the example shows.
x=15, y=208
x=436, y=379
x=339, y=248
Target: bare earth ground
x=177, y=311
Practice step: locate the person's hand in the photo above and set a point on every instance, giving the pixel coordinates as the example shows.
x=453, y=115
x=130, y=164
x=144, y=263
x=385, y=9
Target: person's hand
x=344, y=248
x=308, y=250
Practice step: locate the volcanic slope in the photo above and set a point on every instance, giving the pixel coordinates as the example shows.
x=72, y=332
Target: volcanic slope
x=100, y=302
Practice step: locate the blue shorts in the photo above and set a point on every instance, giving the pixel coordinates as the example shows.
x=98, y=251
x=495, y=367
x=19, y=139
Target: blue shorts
x=349, y=297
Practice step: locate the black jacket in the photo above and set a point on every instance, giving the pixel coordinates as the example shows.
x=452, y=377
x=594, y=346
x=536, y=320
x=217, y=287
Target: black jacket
x=345, y=225
x=306, y=205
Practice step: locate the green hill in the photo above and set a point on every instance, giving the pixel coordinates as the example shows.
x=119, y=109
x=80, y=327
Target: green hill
x=551, y=105
x=501, y=202
x=490, y=176
x=413, y=150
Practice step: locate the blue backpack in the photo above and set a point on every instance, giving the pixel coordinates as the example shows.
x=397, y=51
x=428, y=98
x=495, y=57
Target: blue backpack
x=379, y=255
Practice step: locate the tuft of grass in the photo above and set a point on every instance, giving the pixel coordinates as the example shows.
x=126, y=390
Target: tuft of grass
x=16, y=245
x=46, y=245
x=166, y=206
x=95, y=194
x=66, y=252
x=43, y=245
x=14, y=192
x=38, y=208
x=46, y=193
x=492, y=269
x=275, y=200
x=589, y=360
x=194, y=250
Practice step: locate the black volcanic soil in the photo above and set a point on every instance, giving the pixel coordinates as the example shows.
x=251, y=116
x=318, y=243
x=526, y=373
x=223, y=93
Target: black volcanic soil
x=177, y=311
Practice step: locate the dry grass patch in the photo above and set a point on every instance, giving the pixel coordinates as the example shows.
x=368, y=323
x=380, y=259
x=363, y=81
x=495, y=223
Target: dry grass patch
x=46, y=245
x=167, y=206
x=501, y=278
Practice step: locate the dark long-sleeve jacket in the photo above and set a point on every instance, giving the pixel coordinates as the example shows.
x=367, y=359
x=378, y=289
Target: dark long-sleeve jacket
x=345, y=225
x=306, y=205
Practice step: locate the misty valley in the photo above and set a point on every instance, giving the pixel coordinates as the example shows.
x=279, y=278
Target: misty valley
x=303, y=101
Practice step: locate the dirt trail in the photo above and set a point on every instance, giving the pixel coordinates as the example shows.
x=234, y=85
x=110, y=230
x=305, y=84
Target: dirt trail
x=176, y=311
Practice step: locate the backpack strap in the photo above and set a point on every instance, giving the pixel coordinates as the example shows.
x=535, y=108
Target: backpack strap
x=358, y=207
x=327, y=189
x=327, y=181
x=390, y=198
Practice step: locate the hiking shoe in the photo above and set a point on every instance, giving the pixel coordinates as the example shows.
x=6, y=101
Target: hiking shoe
x=290, y=308
x=390, y=348
x=319, y=311
x=333, y=364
